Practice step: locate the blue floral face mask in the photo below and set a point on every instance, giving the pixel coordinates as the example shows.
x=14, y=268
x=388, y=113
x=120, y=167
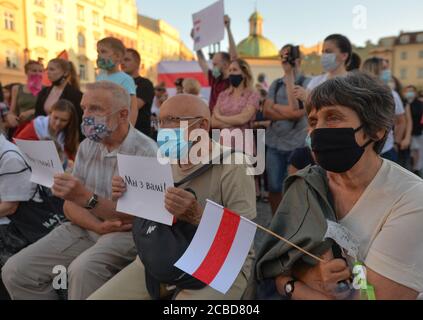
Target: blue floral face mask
x=95, y=128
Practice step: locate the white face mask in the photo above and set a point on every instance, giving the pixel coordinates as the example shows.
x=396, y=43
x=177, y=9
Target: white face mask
x=329, y=62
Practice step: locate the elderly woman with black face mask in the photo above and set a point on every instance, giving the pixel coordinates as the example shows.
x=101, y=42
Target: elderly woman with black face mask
x=376, y=200
x=237, y=106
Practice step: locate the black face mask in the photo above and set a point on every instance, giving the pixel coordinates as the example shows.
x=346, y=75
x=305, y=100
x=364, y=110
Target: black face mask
x=336, y=149
x=236, y=80
x=59, y=81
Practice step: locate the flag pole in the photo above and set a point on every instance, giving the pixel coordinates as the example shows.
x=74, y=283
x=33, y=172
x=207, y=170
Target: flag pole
x=287, y=241
x=275, y=235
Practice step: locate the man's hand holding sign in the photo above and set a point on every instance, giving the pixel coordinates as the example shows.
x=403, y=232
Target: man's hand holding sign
x=183, y=205
x=150, y=194
x=71, y=189
x=180, y=203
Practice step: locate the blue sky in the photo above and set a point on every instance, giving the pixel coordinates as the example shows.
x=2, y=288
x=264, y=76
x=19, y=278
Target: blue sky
x=297, y=21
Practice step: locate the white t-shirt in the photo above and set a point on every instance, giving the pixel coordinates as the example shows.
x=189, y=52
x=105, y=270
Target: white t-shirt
x=388, y=222
x=399, y=110
x=317, y=81
x=15, y=187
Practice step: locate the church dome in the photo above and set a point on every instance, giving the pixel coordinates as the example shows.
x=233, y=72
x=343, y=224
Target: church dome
x=256, y=45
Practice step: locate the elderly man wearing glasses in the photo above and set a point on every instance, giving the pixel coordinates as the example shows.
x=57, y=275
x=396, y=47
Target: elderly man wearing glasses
x=152, y=275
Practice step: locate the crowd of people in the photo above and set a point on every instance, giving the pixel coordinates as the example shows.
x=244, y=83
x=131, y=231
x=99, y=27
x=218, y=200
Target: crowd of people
x=345, y=146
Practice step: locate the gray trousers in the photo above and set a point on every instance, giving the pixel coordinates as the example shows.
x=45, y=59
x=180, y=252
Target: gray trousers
x=91, y=260
x=129, y=284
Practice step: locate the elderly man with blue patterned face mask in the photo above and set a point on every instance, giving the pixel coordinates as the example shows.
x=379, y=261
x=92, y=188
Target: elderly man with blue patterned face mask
x=97, y=243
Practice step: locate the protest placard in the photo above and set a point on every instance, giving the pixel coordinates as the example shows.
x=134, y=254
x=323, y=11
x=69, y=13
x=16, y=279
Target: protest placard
x=43, y=159
x=147, y=181
x=209, y=25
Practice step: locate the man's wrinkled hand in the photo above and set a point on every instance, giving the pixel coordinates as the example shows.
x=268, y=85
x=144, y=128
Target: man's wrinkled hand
x=183, y=205
x=70, y=188
x=107, y=226
x=118, y=188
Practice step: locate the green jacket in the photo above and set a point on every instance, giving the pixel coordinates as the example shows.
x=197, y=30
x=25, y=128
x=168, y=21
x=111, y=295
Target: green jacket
x=300, y=218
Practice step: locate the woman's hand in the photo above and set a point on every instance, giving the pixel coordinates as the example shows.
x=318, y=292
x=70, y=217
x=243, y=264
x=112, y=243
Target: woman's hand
x=216, y=112
x=26, y=115
x=324, y=277
x=12, y=120
x=118, y=188
x=300, y=93
x=280, y=282
x=405, y=144
x=286, y=66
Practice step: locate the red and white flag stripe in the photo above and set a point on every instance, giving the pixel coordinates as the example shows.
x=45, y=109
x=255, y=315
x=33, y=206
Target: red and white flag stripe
x=170, y=71
x=219, y=248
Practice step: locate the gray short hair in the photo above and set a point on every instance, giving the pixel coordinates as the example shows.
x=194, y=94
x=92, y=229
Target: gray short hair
x=363, y=93
x=120, y=97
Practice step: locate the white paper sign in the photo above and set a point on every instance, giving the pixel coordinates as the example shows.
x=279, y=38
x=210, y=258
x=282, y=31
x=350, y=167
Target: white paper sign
x=146, y=182
x=43, y=159
x=209, y=25
x=344, y=238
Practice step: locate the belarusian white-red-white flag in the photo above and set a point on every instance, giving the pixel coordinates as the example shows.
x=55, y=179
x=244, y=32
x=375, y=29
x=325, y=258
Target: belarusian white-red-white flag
x=170, y=71
x=219, y=247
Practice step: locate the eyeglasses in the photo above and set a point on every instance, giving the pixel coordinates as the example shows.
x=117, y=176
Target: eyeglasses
x=170, y=121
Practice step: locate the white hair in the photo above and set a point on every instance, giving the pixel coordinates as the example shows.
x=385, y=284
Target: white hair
x=120, y=97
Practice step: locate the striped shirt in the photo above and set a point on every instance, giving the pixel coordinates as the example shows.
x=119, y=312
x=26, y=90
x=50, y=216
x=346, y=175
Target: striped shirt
x=95, y=166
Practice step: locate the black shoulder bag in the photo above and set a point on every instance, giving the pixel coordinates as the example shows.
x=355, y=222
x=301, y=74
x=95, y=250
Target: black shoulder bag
x=160, y=246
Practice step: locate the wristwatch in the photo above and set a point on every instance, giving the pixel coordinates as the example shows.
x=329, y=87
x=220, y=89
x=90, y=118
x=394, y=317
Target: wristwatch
x=289, y=288
x=92, y=202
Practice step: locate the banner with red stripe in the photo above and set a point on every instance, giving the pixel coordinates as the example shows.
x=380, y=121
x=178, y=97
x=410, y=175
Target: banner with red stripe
x=170, y=71
x=219, y=247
